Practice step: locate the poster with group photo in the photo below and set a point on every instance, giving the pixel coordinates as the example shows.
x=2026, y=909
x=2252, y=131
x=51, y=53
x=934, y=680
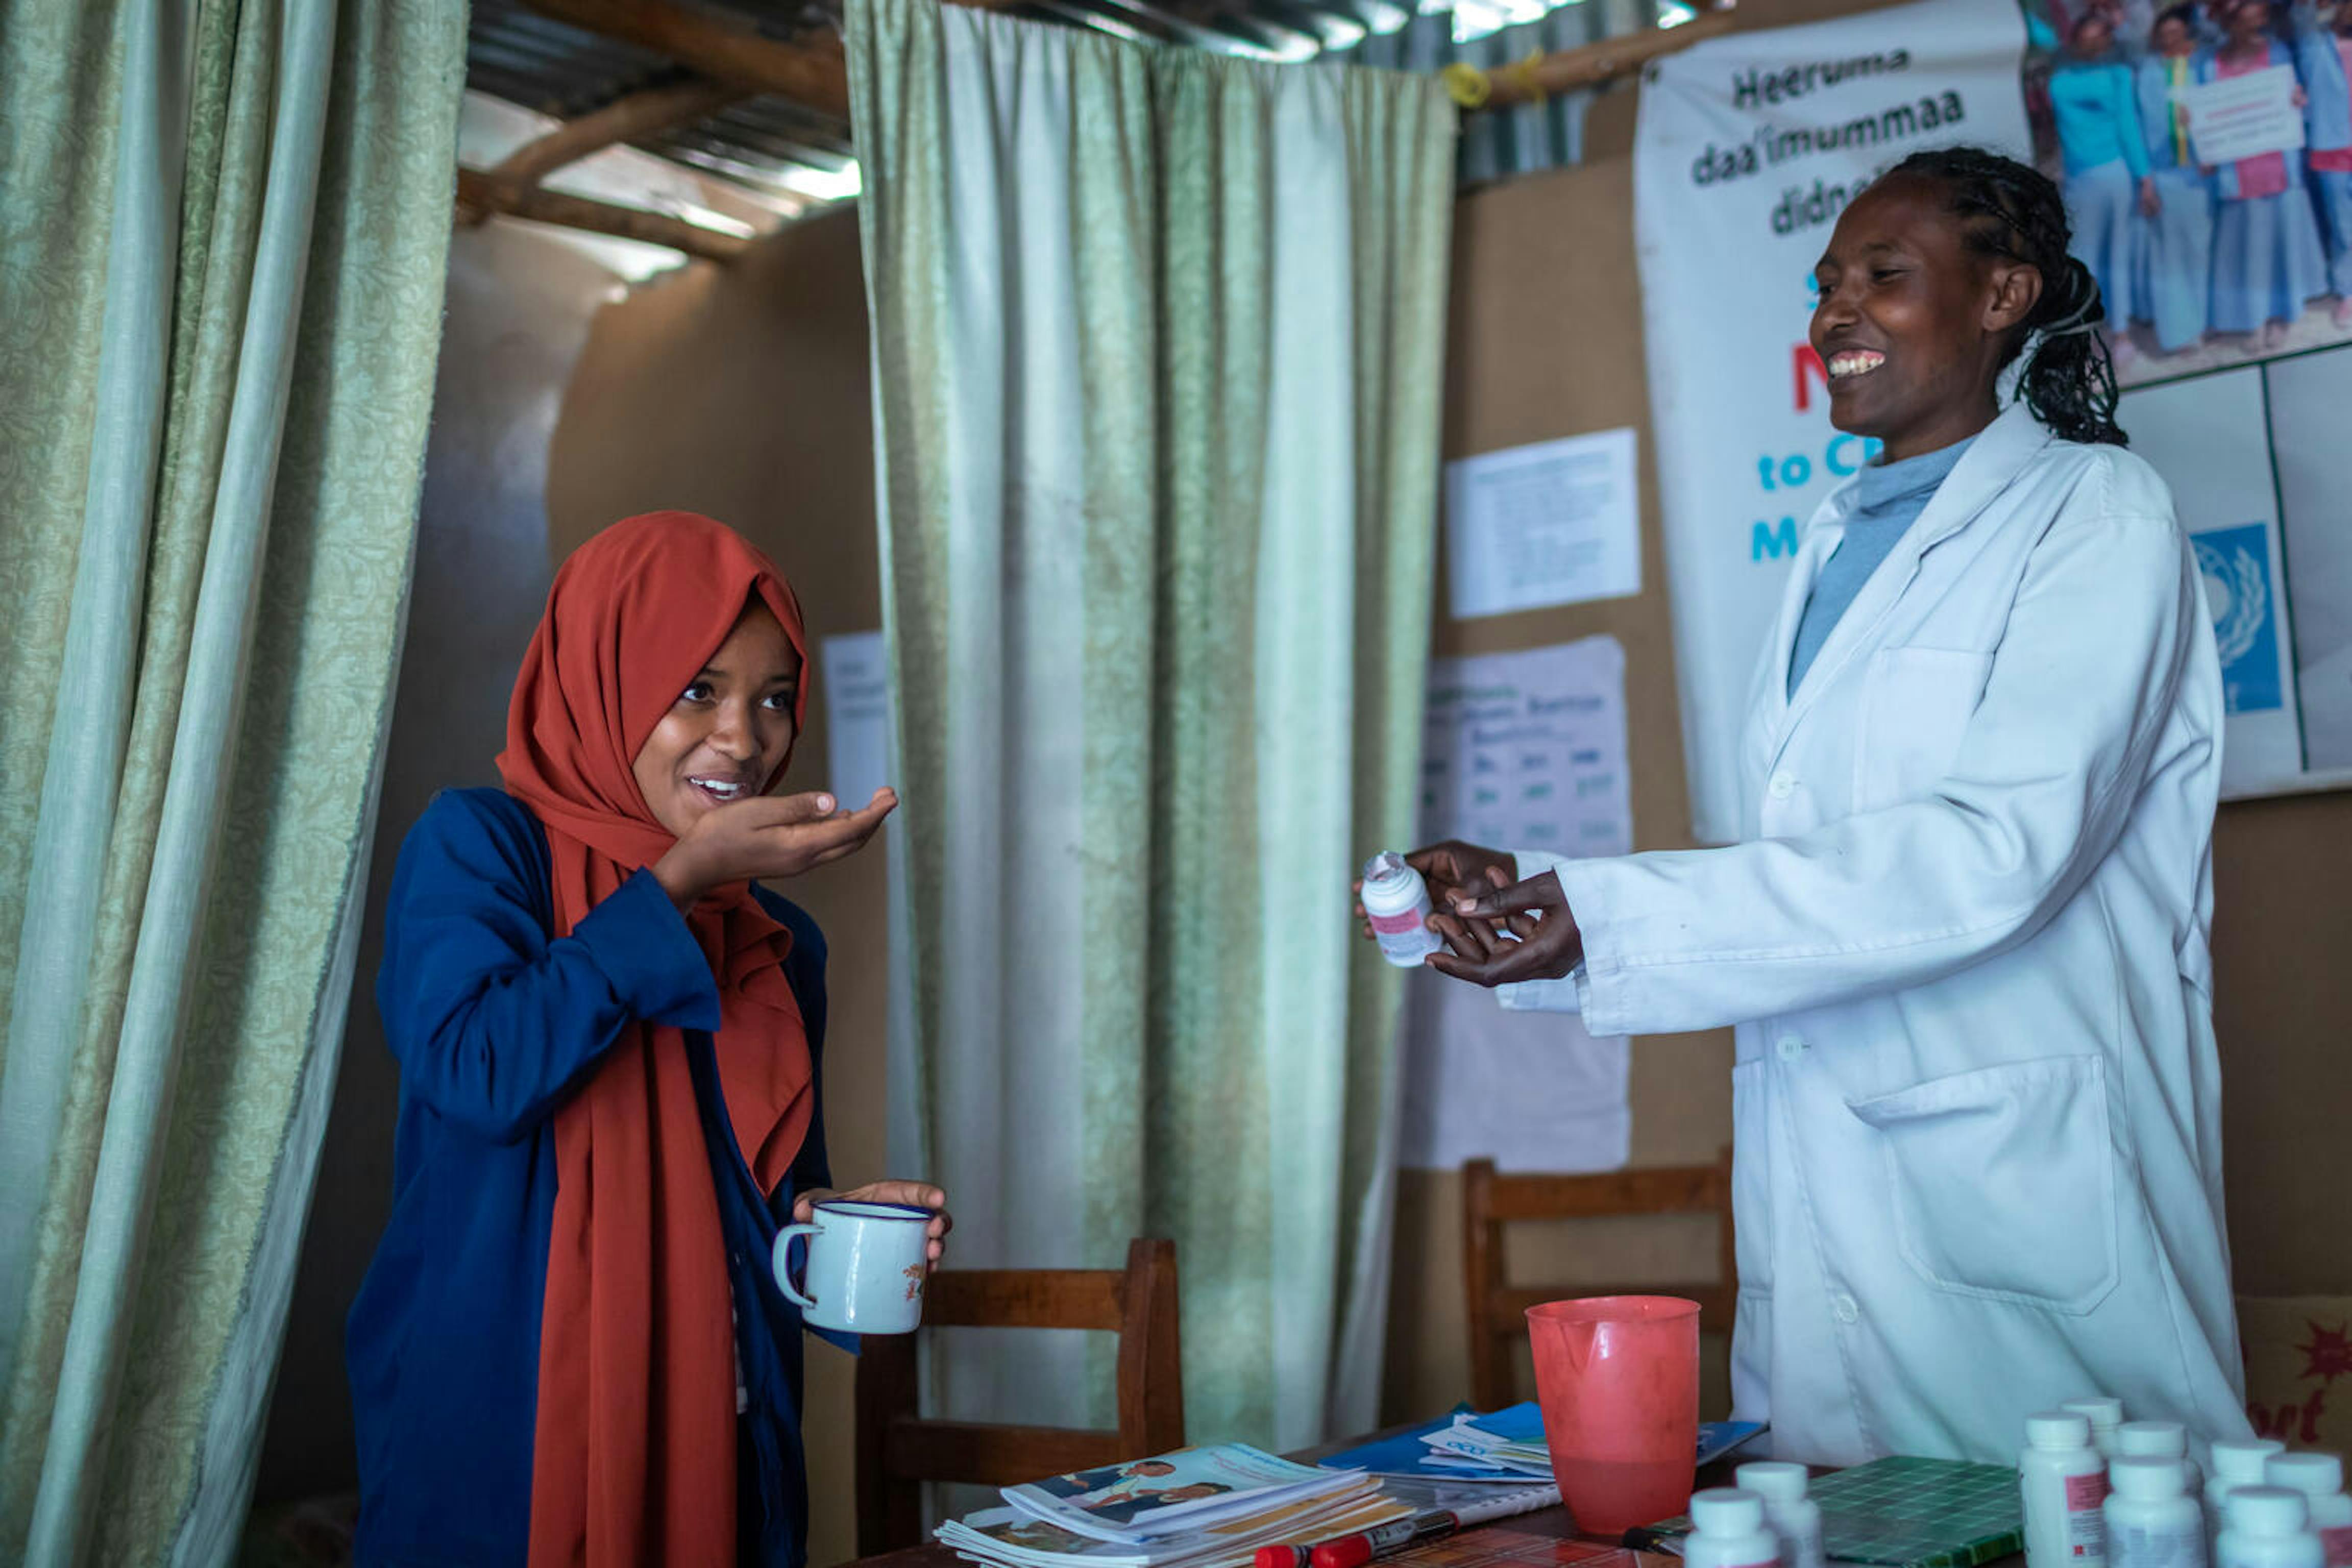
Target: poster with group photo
x=2205, y=150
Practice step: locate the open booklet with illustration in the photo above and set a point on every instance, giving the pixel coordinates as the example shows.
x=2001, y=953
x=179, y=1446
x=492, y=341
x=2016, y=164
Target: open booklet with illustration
x=1195, y=1508
x=1170, y=1494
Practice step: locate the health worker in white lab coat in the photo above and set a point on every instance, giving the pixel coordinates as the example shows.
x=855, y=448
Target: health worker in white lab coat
x=1976, y=1111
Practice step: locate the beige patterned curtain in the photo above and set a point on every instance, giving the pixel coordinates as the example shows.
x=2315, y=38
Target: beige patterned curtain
x=1158, y=341
x=222, y=225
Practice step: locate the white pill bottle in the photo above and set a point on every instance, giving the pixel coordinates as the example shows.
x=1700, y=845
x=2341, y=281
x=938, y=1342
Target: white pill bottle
x=2064, y=1484
x=2320, y=1479
x=1730, y=1531
x=2236, y=1465
x=2152, y=1521
x=2268, y=1527
x=2105, y=1416
x=2161, y=1440
x=1793, y=1518
x=1397, y=902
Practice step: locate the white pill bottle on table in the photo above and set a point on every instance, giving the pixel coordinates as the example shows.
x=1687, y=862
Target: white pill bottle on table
x=1793, y=1518
x=1730, y=1531
x=2236, y=1465
x=2063, y=1483
x=2152, y=1521
x=2161, y=1440
x=2320, y=1479
x=1396, y=901
x=2105, y=1416
x=2268, y=1527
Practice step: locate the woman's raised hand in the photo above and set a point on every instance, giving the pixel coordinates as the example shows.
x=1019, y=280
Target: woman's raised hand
x=767, y=836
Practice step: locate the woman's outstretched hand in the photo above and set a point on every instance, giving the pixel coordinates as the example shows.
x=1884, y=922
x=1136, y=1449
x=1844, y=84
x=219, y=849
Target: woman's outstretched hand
x=767, y=836
x=906, y=1194
x=1534, y=912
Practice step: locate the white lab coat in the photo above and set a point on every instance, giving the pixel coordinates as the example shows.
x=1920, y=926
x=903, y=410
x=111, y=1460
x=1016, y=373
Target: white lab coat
x=1977, y=1150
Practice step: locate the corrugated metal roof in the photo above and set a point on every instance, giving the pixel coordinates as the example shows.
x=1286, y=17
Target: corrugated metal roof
x=774, y=147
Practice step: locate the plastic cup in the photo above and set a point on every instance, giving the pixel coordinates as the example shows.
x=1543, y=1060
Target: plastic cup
x=1617, y=1380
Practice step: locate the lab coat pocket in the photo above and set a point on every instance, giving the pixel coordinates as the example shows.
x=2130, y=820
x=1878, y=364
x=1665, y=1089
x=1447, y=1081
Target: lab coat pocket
x=1751, y=1177
x=1916, y=705
x=2003, y=1181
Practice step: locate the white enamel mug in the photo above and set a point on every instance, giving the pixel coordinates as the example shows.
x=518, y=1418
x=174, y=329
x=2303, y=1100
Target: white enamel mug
x=867, y=1264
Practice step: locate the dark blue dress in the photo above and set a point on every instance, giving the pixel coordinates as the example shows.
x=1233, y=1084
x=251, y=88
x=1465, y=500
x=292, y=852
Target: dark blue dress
x=494, y=1024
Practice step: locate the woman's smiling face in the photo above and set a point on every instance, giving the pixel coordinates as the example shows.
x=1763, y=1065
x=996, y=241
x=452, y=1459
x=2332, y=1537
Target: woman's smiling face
x=726, y=737
x=1910, y=321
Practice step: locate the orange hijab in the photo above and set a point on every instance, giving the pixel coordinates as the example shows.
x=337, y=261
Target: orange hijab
x=635, y=1446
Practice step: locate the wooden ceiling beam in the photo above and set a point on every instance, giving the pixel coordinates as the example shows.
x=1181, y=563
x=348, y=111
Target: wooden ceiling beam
x=809, y=71
x=487, y=193
x=630, y=118
x=1570, y=70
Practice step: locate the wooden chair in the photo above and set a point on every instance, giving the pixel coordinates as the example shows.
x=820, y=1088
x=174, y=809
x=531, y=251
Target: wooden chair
x=1497, y=1309
x=897, y=1451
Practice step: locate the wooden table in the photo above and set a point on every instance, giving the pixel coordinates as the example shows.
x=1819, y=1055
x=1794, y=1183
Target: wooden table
x=1552, y=1522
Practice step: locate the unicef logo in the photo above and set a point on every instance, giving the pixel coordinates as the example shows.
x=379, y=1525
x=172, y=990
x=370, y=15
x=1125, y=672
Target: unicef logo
x=2238, y=594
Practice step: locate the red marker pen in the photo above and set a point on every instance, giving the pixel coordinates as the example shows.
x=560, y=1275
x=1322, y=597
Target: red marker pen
x=1355, y=1551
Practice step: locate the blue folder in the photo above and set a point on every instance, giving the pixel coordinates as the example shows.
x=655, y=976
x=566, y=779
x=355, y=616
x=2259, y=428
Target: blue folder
x=1404, y=1454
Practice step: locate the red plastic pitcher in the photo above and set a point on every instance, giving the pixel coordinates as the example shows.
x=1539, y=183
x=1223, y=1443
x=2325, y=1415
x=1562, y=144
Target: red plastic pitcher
x=1617, y=1377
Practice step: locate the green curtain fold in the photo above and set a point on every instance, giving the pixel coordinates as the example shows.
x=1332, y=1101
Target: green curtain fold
x=1158, y=340
x=222, y=229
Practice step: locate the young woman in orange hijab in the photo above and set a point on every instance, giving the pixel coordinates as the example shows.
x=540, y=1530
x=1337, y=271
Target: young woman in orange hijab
x=570, y=1348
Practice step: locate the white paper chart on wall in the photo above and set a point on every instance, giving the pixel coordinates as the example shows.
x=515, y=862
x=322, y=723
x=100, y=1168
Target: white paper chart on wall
x=1558, y=522
x=1528, y=748
x=854, y=675
x=1520, y=751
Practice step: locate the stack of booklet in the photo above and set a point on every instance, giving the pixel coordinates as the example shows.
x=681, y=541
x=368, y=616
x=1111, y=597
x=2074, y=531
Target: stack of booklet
x=1196, y=1507
x=1504, y=1444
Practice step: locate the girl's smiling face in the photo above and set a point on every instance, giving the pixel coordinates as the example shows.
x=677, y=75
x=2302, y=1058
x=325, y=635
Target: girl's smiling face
x=2249, y=21
x=1911, y=323
x=2173, y=37
x=727, y=736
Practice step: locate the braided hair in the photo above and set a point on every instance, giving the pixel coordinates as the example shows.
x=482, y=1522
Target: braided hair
x=2013, y=211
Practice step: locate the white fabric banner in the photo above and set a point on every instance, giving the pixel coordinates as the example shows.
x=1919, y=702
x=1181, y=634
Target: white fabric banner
x=1748, y=147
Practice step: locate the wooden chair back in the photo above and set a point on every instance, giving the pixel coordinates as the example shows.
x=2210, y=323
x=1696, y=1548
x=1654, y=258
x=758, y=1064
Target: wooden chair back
x=897, y=1450
x=1497, y=1309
